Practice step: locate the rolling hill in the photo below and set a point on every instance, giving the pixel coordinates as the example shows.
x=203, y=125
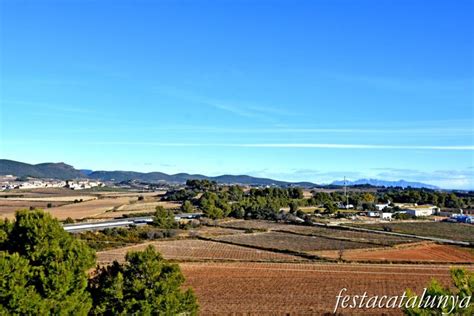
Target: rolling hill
x=65, y=172
x=42, y=170
x=382, y=183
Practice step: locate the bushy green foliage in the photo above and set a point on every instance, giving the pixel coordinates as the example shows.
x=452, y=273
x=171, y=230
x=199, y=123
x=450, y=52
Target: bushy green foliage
x=463, y=287
x=395, y=195
x=201, y=185
x=179, y=195
x=44, y=271
x=235, y=193
x=187, y=207
x=215, y=205
x=424, y=196
x=267, y=203
x=120, y=237
x=43, y=268
x=17, y=295
x=329, y=207
x=164, y=218
x=145, y=285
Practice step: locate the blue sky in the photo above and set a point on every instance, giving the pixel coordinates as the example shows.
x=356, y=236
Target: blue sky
x=294, y=90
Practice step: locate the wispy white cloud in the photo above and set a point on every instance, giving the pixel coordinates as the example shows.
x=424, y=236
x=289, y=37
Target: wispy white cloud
x=241, y=108
x=356, y=146
x=285, y=145
x=136, y=126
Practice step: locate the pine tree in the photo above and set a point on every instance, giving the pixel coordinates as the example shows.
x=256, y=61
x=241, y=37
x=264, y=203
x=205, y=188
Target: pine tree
x=145, y=284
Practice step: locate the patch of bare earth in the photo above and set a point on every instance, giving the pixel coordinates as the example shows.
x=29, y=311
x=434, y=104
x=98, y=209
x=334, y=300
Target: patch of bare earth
x=137, y=208
x=421, y=252
x=342, y=234
x=291, y=242
x=9, y=207
x=300, y=289
x=193, y=249
x=87, y=208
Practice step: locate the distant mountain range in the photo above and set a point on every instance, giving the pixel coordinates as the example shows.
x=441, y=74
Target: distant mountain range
x=382, y=183
x=42, y=170
x=119, y=176
x=65, y=172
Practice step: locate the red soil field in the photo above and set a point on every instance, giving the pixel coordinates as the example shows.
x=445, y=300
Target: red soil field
x=193, y=249
x=300, y=289
x=426, y=252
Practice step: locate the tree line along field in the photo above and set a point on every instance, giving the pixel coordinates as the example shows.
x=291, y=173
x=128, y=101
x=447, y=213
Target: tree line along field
x=453, y=231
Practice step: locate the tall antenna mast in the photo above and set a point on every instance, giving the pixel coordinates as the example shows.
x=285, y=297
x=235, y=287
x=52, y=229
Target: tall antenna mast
x=345, y=191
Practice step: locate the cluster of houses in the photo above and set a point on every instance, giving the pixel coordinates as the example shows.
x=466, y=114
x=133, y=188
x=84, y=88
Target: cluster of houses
x=82, y=184
x=12, y=183
x=414, y=210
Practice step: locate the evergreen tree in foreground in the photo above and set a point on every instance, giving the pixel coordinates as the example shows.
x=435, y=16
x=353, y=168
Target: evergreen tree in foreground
x=42, y=267
x=145, y=284
x=44, y=271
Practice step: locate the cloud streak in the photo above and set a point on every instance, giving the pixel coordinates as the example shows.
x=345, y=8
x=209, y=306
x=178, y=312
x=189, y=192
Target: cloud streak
x=289, y=145
x=240, y=108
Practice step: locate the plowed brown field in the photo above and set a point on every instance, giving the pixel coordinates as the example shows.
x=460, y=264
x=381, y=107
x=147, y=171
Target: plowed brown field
x=426, y=252
x=88, y=208
x=381, y=239
x=291, y=242
x=299, y=289
x=193, y=249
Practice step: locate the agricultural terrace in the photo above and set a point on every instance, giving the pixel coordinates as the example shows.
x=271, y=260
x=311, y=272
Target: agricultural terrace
x=335, y=233
x=82, y=204
x=291, y=242
x=424, y=252
x=299, y=289
x=193, y=250
x=454, y=231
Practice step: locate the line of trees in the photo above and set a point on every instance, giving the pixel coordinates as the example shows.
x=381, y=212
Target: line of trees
x=221, y=201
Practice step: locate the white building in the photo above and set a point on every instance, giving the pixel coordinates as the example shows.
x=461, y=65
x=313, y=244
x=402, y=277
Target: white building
x=386, y=216
x=422, y=211
x=380, y=207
